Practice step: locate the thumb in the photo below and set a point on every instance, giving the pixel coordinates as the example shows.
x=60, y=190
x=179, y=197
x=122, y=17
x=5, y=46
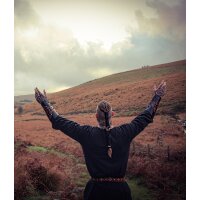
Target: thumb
x=45, y=94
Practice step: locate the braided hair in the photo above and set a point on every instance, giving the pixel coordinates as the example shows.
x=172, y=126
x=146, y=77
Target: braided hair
x=104, y=111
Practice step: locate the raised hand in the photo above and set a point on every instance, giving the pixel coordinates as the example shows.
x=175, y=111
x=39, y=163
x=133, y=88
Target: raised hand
x=161, y=89
x=40, y=97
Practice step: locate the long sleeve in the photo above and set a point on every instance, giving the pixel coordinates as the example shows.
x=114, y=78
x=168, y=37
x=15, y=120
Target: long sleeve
x=138, y=124
x=71, y=128
x=132, y=129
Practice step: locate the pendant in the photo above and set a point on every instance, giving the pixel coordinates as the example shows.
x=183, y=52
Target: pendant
x=110, y=152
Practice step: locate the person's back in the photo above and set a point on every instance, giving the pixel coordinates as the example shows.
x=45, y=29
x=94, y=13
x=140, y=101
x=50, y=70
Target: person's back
x=105, y=148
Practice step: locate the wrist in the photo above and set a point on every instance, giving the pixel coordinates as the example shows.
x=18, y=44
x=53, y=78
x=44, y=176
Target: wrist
x=49, y=109
x=159, y=93
x=153, y=105
x=156, y=97
x=45, y=103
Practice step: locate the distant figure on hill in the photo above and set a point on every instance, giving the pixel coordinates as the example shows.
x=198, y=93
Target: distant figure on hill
x=105, y=148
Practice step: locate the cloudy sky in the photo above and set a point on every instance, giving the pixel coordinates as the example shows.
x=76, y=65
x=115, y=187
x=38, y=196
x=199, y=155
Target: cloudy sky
x=62, y=43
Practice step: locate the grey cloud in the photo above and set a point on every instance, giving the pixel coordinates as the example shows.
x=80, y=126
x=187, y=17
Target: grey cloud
x=25, y=15
x=170, y=21
x=61, y=68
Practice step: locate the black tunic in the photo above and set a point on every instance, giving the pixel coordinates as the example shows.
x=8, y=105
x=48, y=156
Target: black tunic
x=94, y=144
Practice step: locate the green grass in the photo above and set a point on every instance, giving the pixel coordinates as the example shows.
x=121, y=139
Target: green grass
x=139, y=191
x=83, y=179
x=38, y=149
x=55, y=152
x=48, y=150
x=84, y=176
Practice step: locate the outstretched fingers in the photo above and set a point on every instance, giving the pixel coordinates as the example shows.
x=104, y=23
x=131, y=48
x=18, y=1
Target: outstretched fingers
x=39, y=96
x=161, y=84
x=161, y=89
x=38, y=91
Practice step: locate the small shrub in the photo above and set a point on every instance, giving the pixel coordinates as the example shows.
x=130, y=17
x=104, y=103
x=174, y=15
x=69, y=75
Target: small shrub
x=23, y=187
x=42, y=180
x=20, y=110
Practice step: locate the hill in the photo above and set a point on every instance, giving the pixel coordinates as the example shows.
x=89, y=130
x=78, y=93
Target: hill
x=128, y=92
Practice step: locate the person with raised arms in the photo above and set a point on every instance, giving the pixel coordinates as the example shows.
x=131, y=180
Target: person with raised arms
x=105, y=147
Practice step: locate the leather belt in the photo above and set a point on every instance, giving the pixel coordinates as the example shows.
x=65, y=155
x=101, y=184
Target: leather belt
x=109, y=179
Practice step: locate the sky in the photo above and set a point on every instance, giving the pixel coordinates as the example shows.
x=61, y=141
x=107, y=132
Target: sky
x=63, y=43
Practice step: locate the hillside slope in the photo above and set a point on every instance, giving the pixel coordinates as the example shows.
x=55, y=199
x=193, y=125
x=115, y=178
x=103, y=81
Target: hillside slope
x=128, y=92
